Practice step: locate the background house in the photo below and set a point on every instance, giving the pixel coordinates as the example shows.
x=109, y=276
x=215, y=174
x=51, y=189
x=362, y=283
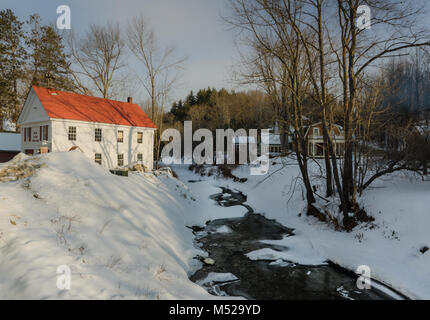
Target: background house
x=315, y=142
x=277, y=145
x=112, y=133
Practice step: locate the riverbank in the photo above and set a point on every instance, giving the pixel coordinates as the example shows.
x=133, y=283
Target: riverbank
x=127, y=237
x=248, y=265
x=391, y=245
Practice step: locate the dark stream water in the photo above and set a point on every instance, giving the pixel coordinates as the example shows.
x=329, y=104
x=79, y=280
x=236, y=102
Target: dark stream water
x=263, y=279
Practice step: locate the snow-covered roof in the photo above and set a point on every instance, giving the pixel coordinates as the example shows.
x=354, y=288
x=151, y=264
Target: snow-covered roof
x=243, y=140
x=10, y=141
x=319, y=123
x=72, y=106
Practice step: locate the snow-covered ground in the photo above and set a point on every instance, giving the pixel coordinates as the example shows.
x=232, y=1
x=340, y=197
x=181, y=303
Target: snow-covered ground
x=126, y=237
x=122, y=238
x=390, y=246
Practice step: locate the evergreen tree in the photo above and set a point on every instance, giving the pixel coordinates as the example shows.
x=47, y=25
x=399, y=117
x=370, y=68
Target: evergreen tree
x=49, y=63
x=191, y=99
x=207, y=97
x=12, y=57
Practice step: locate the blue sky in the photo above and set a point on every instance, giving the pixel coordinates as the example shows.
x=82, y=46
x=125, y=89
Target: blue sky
x=194, y=27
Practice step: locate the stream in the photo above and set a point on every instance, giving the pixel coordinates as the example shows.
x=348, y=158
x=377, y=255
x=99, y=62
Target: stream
x=227, y=241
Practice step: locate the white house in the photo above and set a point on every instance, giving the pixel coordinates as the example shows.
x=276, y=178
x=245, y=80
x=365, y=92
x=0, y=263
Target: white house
x=112, y=133
x=315, y=140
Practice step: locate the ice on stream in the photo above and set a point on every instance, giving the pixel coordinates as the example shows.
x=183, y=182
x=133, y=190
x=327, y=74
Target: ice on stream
x=268, y=254
x=223, y=229
x=214, y=281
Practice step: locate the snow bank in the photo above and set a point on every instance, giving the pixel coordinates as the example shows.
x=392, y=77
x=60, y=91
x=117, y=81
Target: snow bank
x=390, y=246
x=20, y=167
x=121, y=237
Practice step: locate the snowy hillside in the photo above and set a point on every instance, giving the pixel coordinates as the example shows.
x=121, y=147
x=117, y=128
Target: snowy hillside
x=123, y=238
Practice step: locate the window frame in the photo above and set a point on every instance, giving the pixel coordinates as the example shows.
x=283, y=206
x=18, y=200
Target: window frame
x=72, y=135
x=98, y=135
x=43, y=135
x=120, y=140
x=316, y=132
x=120, y=159
x=141, y=156
x=46, y=132
x=140, y=133
x=96, y=160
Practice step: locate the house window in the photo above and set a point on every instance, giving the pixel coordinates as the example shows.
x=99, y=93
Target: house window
x=140, y=137
x=28, y=135
x=43, y=134
x=72, y=133
x=120, y=136
x=120, y=160
x=311, y=148
x=98, y=158
x=98, y=135
x=140, y=157
x=316, y=131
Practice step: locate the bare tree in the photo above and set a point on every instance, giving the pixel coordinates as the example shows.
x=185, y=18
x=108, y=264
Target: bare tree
x=160, y=69
x=265, y=26
x=393, y=30
x=159, y=66
x=97, y=59
x=303, y=36
x=261, y=68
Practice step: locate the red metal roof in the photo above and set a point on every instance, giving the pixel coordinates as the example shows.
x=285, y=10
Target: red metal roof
x=73, y=106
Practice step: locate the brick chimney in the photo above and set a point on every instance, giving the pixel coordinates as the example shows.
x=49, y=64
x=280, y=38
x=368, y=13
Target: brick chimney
x=130, y=99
